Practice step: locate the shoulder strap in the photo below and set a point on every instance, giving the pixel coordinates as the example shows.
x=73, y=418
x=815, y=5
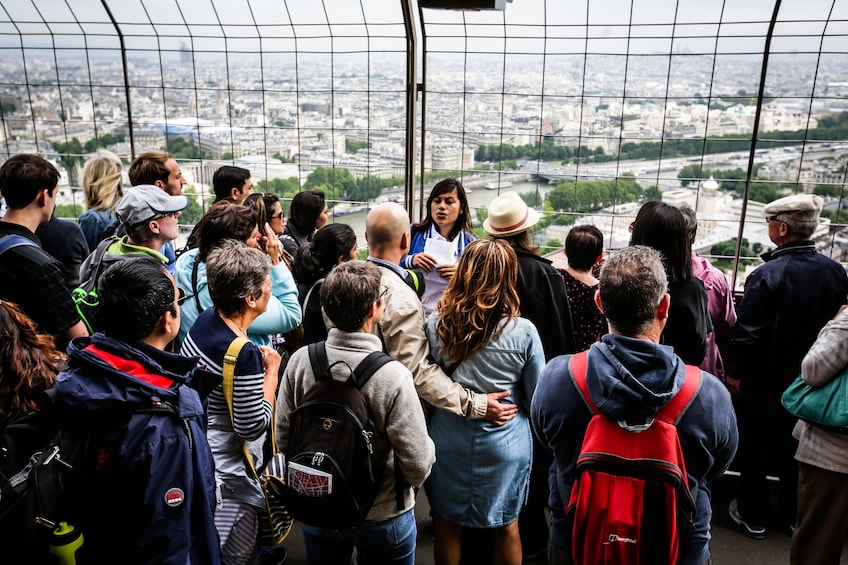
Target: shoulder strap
x=676, y=407
x=363, y=372
x=7, y=242
x=673, y=409
x=368, y=366
x=85, y=295
x=230, y=358
x=413, y=281
x=413, y=278
x=305, y=302
x=318, y=359
x=194, y=283
x=229, y=370
x=577, y=368
x=97, y=260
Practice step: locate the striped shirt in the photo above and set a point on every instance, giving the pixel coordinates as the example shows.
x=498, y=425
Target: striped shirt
x=209, y=339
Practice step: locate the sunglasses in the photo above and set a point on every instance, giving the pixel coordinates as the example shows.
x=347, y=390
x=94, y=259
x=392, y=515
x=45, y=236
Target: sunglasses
x=181, y=296
x=163, y=216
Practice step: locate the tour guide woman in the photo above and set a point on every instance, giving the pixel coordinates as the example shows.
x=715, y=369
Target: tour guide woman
x=448, y=220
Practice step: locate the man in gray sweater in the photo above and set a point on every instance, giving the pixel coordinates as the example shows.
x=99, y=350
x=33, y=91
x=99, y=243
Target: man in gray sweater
x=352, y=298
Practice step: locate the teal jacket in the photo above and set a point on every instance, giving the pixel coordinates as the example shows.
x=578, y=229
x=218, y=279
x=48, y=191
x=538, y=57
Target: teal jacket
x=283, y=313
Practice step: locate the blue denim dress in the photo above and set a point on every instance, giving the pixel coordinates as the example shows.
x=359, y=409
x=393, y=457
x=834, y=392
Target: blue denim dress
x=482, y=471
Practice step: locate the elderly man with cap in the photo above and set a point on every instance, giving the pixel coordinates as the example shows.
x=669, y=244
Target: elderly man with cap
x=541, y=291
x=787, y=301
x=150, y=217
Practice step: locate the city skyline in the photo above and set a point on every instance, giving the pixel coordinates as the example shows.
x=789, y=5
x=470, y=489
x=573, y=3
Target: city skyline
x=324, y=84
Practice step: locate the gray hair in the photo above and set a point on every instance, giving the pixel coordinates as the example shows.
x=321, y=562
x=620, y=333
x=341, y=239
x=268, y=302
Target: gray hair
x=348, y=293
x=632, y=284
x=235, y=272
x=803, y=229
x=691, y=221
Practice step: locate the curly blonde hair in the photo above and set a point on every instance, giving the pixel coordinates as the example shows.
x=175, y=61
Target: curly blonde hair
x=480, y=294
x=28, y=362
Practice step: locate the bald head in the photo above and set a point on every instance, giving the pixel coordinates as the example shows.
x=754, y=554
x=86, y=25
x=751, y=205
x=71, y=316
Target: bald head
x=387, y=231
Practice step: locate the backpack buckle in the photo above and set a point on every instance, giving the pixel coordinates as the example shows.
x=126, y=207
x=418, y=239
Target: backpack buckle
x=636, y=427
x=54, y=454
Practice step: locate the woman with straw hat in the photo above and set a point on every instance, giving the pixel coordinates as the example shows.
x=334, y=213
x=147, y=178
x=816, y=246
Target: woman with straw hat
x=543, y=299
x=540, y=286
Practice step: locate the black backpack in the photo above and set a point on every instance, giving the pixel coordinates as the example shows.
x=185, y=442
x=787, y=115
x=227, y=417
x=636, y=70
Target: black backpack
x=45, y=465
x=40, y=468
x=335, y=460
x=85, y=295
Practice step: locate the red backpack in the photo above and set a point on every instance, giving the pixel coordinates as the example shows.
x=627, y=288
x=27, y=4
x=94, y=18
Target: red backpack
x=630, y=503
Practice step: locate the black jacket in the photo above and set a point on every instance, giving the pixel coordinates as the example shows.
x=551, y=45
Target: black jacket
x=544, y=302
x=787, y=300
x=688, y=321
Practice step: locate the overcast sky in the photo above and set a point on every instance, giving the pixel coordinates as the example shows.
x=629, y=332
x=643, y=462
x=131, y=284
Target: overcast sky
x=356, y=25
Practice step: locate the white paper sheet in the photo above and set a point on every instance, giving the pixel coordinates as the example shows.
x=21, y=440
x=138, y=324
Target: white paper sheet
x=444, y=252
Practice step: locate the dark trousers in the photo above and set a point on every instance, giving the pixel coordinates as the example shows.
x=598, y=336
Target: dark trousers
x=532, y=525
x=558, y=555
x=766, y=446
x=822, y=516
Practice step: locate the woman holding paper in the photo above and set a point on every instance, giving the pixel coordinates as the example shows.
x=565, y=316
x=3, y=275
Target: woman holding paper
x=439, y=239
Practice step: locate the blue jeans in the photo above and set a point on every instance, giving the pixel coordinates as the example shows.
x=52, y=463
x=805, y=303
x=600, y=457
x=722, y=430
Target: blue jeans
x=387, y=541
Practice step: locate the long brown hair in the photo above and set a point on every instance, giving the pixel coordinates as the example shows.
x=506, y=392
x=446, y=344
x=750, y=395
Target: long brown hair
x=463, y=221
x=480, y=294
x=28, y=362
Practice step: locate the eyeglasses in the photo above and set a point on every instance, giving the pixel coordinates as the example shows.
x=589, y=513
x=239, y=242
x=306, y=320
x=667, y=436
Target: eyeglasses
x=179, y=299
x=383, y=291
x=774, y=219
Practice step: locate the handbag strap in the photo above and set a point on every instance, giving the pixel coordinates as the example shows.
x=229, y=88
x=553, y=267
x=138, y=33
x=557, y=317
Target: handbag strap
x=309, y=294
x=230, y=358
x=194, y=269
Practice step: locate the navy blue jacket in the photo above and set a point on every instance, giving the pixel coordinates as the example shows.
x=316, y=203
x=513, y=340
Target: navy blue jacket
x=151, y=493
x=64, y=241
x=787, y=301
x=630, y=379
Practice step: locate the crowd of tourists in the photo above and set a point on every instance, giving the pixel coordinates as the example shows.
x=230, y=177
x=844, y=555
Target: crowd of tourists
x=187, y=368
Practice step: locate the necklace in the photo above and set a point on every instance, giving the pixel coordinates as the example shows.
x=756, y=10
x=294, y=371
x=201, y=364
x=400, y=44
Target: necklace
x=232, y=322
